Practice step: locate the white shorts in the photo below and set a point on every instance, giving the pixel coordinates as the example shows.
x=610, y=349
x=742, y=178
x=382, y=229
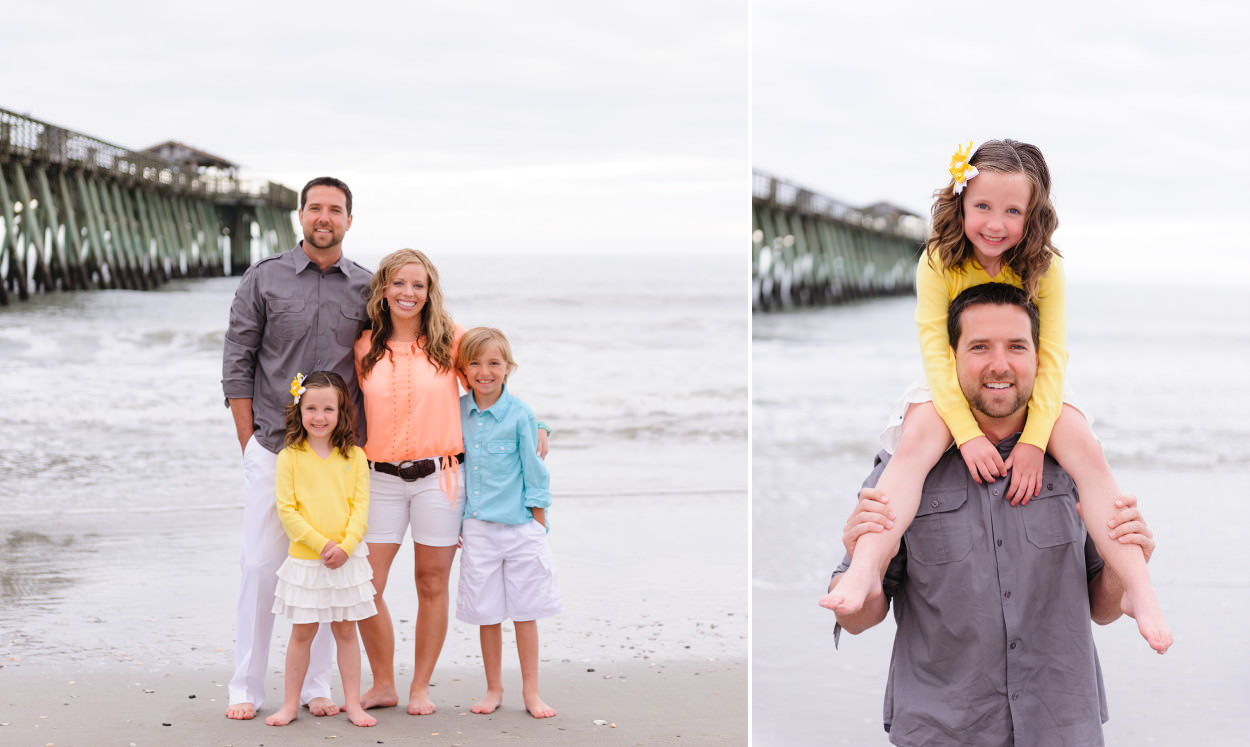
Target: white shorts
x=396, y=506
x=506, y=572
x=920, y=392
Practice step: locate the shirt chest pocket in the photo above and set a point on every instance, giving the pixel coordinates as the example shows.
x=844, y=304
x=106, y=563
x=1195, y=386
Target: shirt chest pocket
x=348, y=324
x=1050, y=519
x=287, y=318
x=501, y=448
x=940, y=533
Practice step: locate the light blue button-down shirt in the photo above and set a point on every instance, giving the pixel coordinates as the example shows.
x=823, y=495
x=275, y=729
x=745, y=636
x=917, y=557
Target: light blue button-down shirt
x=504, y=478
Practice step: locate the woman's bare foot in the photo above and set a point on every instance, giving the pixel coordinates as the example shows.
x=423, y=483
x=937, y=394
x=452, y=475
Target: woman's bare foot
x=241, y=711
x=419, y=703
x=323, y=707
x=357, y=716
x=379, y=696
x=537, y=708
x=489, y=703
x=284, y=716
x=854, y=587
x=1144, y=608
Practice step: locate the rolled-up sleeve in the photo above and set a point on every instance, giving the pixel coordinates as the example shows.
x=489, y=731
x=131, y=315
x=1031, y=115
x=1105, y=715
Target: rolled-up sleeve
x=243, y=338
x=536, y=478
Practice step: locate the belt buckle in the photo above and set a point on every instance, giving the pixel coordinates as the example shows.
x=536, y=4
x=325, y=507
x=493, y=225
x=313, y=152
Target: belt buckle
x=409, y=471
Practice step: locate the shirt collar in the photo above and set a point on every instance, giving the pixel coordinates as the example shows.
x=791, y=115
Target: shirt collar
x=303, y=261
x=499, y=409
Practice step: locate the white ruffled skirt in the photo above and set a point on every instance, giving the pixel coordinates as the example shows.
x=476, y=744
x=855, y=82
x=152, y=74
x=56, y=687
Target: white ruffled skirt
x=308, y=592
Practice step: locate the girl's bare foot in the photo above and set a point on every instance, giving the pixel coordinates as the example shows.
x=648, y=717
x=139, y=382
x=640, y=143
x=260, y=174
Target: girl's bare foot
x=284, y=716
x=241, y=711
x=489, y=703
x=537, y=708
x=1144, y=608
x=854, y=587
x=379, y=697
x=357, y=716
x=419, y=703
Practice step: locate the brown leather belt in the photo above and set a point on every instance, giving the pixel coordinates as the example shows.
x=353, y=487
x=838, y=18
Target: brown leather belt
x=410, y=471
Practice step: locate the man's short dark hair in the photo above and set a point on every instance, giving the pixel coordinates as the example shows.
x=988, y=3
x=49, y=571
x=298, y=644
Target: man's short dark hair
x=993, y=294
x=326, y=181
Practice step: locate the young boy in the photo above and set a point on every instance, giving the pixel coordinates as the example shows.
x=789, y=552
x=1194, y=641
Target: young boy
x=505, y=567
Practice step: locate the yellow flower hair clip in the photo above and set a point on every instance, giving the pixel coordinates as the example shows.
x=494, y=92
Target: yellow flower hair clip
x=297, y=387
x=961, y=169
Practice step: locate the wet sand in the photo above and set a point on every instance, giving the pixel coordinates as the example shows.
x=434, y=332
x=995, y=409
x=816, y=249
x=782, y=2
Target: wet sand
x=677, y=703
x=121, y=623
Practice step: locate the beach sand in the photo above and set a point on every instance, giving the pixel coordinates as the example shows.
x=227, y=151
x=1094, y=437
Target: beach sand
x=119, y=630
x=682, y=702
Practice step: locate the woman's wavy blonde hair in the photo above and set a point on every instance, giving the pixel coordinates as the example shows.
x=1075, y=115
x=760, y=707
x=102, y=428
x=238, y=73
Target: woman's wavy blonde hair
x=1030, y=259
x=438, y=332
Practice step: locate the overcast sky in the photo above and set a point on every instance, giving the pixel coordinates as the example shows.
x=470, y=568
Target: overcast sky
x=558, y=125
x=1142, y=111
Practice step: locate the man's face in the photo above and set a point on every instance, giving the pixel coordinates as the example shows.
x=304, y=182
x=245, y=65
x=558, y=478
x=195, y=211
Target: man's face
x=995, y=359
x=324, y=217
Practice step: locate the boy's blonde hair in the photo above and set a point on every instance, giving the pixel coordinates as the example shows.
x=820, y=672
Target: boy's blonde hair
x=473, y=342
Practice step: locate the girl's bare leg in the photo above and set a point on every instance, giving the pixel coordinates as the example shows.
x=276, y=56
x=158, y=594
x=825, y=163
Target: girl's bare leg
x=491, y=637
x=527, y=651
x=378, y=634
x=925, y=437
x=1073, y=445
x=297, y=655
x=433, y=570
x=349, y=672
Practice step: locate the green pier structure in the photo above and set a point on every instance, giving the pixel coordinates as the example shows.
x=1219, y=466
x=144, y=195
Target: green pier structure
x=78, y=213
x=809, y=250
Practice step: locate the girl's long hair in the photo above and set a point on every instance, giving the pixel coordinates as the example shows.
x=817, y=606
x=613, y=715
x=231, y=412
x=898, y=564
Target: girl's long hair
x=438, y=332
x=1029, y=259
x=343, y=437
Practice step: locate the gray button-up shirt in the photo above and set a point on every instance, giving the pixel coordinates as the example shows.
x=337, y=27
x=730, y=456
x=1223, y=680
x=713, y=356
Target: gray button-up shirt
x=289, y=317
x=994, y=645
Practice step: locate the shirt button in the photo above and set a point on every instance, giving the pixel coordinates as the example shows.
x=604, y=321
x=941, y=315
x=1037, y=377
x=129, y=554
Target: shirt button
x=935, y=504
x=1007, y=595
x=1012, y=646
x=994, y=491
x=1015, y=696
x=999, y=543
x=1050, y=486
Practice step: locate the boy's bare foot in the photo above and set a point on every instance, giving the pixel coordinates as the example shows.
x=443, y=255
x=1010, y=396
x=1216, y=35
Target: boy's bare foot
x=323, y=707
x=852, y=590
x=488, y=703
x=419, y=703
x=241, y=711
x=284, y=716
x=358, y=716
x=1150, y=621
x=379, y=697
x=537, y=708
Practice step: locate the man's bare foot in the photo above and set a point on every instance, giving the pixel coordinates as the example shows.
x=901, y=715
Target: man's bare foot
x=1150, y=621
x=358, y=716
x=419, y=703
x=537, y=708
x=853, y=588
x=488, y=703
x=241, y=711
x=284, y=716
x=323, y=707
x=379, y=697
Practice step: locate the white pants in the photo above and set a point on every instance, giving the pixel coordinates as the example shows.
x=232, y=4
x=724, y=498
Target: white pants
x=264, y=548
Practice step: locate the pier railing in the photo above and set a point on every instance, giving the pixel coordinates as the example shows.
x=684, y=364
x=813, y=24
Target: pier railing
x=77, y=212
x=810, y=249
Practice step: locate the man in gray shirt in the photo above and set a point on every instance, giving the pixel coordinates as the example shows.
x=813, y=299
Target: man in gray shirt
x=295, y=312
x=993, y=602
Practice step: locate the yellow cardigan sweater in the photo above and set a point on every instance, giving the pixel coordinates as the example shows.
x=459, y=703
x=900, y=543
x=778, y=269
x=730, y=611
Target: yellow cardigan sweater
x=935, y=289
x=322, y=499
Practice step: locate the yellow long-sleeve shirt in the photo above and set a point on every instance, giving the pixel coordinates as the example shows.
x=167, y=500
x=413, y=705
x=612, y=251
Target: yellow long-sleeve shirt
x=935, y=289
x=322, y=499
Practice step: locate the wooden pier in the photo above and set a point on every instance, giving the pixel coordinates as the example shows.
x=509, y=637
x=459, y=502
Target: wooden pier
x=808, y=249
x=79, y=213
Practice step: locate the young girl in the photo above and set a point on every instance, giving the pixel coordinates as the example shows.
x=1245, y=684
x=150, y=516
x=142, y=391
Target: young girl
x=993, y=223
x=505, y=566
x=323, y=502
